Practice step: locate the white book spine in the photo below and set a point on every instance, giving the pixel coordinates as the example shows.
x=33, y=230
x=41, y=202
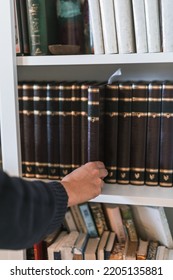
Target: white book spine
x=140, y=26
x=153, y=25
x=167, y=25
x=96, y=26
x=160, y=252
x=125, y=26
x=152, y=224
x=108, y=26
x=86, y=214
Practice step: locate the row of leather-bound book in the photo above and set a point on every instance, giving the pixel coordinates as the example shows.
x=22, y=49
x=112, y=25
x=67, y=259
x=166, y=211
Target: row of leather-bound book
x=127, y=125
x=95, y=231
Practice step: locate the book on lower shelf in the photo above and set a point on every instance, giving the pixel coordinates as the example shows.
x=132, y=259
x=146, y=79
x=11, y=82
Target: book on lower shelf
x=114, y=217
x=98, y=216
x=152, y=224
x=88, y=219
x=91, y=248
x=66, y=250
x=118, y=251
x=129, y=223
x=141, y=253
x=130, y=250
x=79, y=246
x=162, y=253
x=69, y=221
x=53, y=251
x=109, y=245
x=79, y=221
x=152, y=250
x=102, y=245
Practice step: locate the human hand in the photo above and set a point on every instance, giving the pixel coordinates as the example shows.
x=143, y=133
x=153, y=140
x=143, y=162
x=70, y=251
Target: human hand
x=85, y=182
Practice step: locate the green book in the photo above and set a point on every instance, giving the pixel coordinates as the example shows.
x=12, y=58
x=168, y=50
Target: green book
x=42, y=25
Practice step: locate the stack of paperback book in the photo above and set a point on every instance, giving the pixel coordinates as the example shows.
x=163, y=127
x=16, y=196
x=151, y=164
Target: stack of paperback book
x=95, y=231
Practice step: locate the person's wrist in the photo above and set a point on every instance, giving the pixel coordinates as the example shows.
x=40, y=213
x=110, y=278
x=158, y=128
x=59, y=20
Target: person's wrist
x=67, y=188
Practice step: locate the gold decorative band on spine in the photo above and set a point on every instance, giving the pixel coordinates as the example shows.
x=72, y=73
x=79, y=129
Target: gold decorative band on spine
x=137, y=182
x=93, y=119
x=139, y=99
x=135, y=169
x=124, y=169
x=151, y=183
x=111, y=167
x=165, y=171
x=93, y=103
x=152, y=170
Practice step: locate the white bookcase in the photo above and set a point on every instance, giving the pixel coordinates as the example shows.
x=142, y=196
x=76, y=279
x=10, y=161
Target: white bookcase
x=158, y=66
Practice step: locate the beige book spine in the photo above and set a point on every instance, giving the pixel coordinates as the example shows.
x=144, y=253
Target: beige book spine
x=153, y=25
x=108, y=26
x=125, y=26
x=96, y=26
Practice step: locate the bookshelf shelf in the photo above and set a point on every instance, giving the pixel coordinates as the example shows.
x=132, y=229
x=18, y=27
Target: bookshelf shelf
x=136, y=195
x=135, y=58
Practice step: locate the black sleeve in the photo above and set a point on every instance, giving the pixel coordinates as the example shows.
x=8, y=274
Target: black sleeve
x=29, y=210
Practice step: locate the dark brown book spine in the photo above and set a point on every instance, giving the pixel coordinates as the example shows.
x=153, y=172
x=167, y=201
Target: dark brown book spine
x=24, y=26
x=53, y=130
x=40, y=129
x=18, y=28
x=166, y=137
x=153, y=134
x=96, y=95
x=84, y=123
x=65, y=128
x=28, y=142
x=21, y=117
x=111, y=132
x=138, y=132
x=76, y=125
x=124, y=132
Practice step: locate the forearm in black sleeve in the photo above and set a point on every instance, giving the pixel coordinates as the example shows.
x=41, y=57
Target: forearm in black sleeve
x=29, y=210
